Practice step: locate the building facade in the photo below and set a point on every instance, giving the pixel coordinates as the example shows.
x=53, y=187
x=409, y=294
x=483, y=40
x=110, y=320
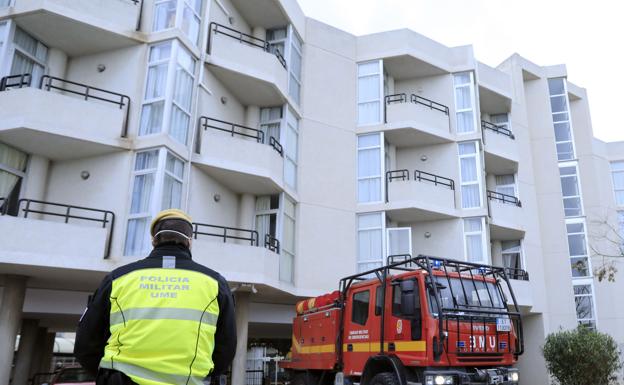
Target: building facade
x=303, y=154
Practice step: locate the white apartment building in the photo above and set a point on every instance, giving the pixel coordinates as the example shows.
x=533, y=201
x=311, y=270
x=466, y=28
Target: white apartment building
x=303, y=154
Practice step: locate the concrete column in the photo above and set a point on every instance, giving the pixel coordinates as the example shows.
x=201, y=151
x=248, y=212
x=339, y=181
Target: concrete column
x=47, y=348
x=246, y=211
x=259, y=32
x=26, y=351
x=390, y=84
x=36, y=178
x=252, y=117
x=57, y=63
x=10, y=316
x=239, y=365
x=39, y=352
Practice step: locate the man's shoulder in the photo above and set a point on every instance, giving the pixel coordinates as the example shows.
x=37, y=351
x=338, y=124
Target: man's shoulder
x=198, y=267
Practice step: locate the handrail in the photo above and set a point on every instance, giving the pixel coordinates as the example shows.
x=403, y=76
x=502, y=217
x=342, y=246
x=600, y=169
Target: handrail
x=276, y=146
x=395, y=174
x=24, y=81
x=496, y=128
x=252, y=235
x=205, y=121
x=517, y=274
x=47, y=83
x=415, y=99
x=504, y=198
x=67, y=215
x=394, y=258
x=272, y=243
x=245, y=38
x=435, y=179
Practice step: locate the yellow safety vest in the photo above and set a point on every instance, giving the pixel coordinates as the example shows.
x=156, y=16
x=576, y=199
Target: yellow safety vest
x=162, y=326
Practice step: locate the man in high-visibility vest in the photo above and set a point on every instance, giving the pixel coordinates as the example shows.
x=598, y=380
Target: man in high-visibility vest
x=162, y=320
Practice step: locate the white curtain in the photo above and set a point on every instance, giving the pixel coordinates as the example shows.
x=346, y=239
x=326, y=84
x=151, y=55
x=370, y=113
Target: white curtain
x=172, y=193
x=399, y=241
x=179, y=124
x=474, y=240
x=369, y=168
x=288, y=242
x=15, y=160
x=190, y=24
x=505, y=184
x=142, y=193
x=156, y=81
x=294, y=66
x=511, y=254
x=164, y=15
x=137, y=237
x=291, y=151
x=152, y=118
x=369, y=93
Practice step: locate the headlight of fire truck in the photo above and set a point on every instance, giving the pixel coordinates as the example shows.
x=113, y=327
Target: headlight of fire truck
x=514, y=376
x=439, y=380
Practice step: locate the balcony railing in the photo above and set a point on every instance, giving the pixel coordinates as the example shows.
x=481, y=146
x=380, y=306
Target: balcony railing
x=517, y=274
x=485, y=125
x=48, y=83
x=503, y=198
x=67, y=213
x=415, y=99
x=419, y=176
x=272, y=243
x=235, y=129
x=243, y=38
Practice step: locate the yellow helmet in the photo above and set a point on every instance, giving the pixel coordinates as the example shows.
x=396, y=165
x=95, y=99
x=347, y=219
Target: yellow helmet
x=170, y=214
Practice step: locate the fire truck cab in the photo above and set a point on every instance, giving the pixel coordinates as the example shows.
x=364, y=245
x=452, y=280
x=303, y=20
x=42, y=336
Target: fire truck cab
x=423, y=320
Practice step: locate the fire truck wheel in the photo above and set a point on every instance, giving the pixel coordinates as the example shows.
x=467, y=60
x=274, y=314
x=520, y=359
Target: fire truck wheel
x=385, y=378
x=304, y=378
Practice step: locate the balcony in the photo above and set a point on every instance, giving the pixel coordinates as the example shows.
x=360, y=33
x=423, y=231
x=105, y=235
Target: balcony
x=506, y=216
x=78, y=27
x=238, y=157
x=415, y=121
x=245, y=65
x=58, y=235
x=51, y=121
x=522, y=291
x=501, y=149
x=426, y=197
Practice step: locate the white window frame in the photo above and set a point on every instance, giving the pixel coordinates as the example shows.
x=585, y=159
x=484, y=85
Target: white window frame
x=477, y=156
x=521, y=252
x=287, y=113
x=277, y=212
x=513, y=185
x=506, y=124
x=382, y=168
x=280, y=230
x=473, y=101
x=397, y=229
x=9, y=48
x=569, y=120
x=292, y=35
x=484, y=248
x=281, y=122
x=380, y=74
x=613, y=172
x=157, y=192
x=168, y=99
x=382, y=229
x=179, y=17
x=577, y=220
x=588, y=282
x=578, y=182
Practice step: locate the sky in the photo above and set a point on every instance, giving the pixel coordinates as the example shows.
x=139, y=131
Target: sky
x=586, y=36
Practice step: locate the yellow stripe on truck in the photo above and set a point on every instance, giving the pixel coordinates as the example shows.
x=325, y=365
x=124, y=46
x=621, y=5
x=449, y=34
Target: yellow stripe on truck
x=399, y=346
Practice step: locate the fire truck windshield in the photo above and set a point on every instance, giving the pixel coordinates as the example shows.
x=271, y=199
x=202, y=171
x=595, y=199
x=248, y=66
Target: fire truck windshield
x=467, y=294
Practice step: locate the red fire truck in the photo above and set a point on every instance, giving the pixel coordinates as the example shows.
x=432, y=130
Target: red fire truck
x=415, y=321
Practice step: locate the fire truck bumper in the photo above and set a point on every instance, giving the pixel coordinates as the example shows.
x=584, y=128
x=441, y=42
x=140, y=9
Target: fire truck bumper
x=494, y=376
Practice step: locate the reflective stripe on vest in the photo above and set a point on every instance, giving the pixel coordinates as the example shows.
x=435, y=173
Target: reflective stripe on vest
x=162, y=326
x=137, y=371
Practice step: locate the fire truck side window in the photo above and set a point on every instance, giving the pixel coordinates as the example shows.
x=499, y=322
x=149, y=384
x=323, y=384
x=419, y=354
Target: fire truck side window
x=378, y=300
x=359, y=314
x=396, y=300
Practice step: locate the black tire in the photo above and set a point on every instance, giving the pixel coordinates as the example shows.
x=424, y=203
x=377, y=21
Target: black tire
x=385, y=378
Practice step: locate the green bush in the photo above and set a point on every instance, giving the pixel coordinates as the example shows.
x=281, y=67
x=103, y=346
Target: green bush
x=582, y=357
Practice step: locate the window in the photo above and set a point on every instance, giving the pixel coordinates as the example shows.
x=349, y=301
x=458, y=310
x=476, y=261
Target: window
x=584, y=301
x=5, y=3
x=396, y=300
x=620, y=217
x=506, y=184
x=572, y=203
x=378, y=300
x=464, y=102
x=512, y=258
x=277, y=39
x=291, y=149
x=470, y=171
x=561, y=119
x=294, y=66
x=370, y=241
x=369, y=89
x=501, y=120
x=270, y=121
x=577, y=247
x=29, y=56
x=267, y=208
x=157, y=185
x=617, y=174
x=287, y=255
x=359, y=314
x=12, y=171
x=399, y=241
x=188, y=16
x=168, y=91
x=369, y=168
x=474, y=238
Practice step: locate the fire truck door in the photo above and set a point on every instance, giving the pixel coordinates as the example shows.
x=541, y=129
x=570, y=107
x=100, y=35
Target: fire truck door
x=357, y=332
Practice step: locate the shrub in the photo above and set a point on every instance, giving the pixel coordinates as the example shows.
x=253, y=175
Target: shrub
x=582, y=357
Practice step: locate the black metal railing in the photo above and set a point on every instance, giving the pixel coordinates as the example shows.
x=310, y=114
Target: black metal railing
x=419, y=176
x=48, y=83
x=272, y=243
x=4, y=205
x=276, y=146
x=517, y=274
x=226, y=233
x=503, y=198
x=68, y=212
x=244, y=38
x=485, y=125
x=15, y=81
x=415, y=99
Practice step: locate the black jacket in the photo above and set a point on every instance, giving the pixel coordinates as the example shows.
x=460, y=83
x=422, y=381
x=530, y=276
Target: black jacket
x=93, y=329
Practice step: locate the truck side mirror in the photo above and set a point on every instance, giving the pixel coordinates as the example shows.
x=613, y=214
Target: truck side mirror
x=408, y=299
